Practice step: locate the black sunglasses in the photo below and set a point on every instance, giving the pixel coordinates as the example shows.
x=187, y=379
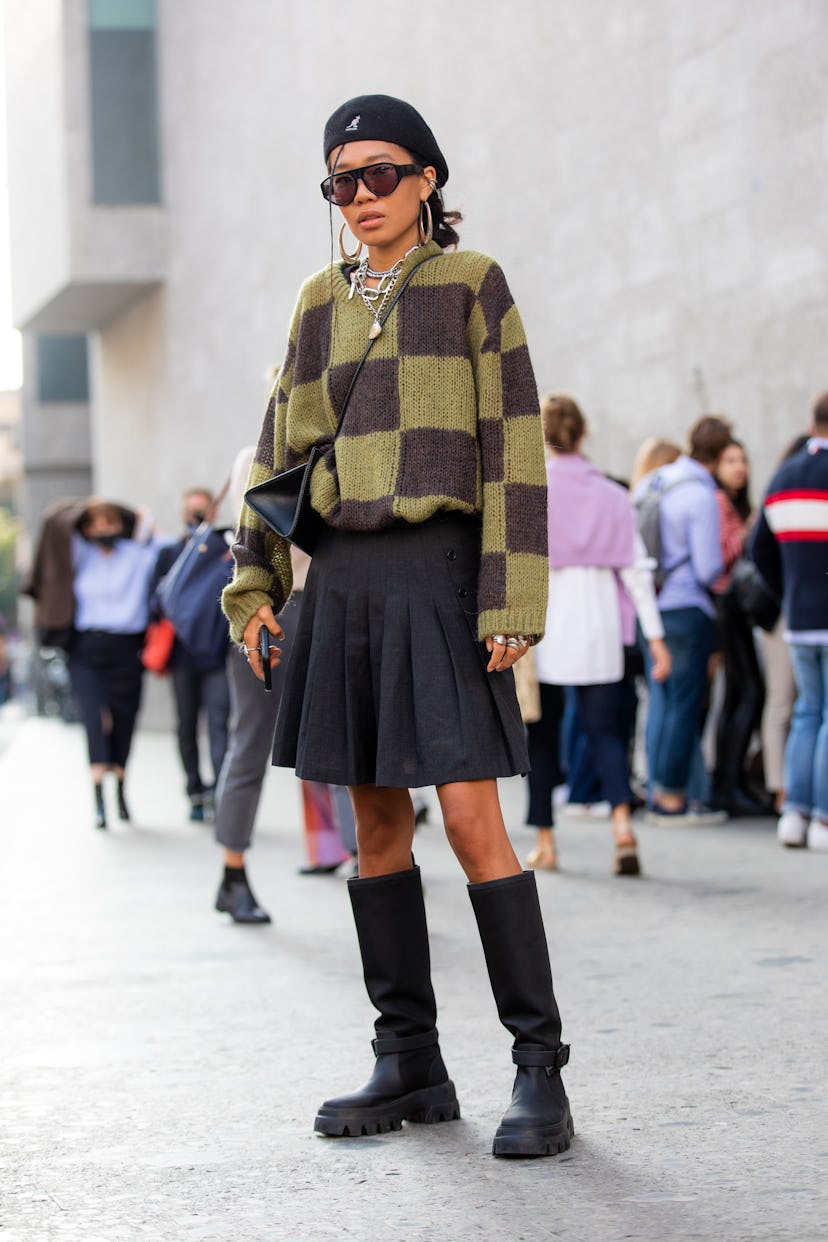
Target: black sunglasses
x=379, y=179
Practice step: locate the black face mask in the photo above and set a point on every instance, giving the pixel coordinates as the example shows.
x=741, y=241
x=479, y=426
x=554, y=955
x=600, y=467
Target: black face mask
x=106, y=541
x=196, y=519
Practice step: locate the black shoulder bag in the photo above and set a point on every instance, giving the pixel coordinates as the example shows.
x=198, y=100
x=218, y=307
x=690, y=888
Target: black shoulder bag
x=283, y=502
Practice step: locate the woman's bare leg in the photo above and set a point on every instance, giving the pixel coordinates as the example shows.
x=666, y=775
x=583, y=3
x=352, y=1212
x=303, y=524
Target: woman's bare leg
x=385, y=829
x=476, y=831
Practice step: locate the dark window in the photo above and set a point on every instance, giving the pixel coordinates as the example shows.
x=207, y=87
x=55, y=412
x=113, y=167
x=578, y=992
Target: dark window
x=62, y=368
x=124, y=107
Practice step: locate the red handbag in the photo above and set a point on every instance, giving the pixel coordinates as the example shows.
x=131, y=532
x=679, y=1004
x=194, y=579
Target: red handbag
x=158, y=645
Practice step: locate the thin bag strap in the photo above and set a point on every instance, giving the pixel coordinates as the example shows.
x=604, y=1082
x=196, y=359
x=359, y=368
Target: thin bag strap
x=388, y=311
x=215, y=504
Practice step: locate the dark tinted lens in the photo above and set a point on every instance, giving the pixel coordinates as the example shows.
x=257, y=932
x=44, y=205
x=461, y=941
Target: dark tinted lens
x=381, y=179
x=342, y=188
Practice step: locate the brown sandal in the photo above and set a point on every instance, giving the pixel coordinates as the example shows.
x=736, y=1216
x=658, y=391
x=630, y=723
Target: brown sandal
x=626, y=856
x=542, y=858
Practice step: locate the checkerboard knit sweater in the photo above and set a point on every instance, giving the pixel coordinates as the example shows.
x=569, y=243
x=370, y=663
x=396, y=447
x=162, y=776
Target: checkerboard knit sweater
x=443, y=416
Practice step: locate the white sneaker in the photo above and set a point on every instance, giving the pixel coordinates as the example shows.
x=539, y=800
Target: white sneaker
x=818, y=836
x=791, y=829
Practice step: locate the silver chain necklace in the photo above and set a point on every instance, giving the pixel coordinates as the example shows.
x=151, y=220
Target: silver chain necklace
x=376, y=299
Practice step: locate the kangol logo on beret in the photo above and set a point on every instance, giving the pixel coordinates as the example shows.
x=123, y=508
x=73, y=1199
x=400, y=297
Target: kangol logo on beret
x=385, y=119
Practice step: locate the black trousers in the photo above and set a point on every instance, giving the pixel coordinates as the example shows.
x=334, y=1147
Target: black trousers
x=744, y=697
x=196, y=690
x=543, y=741
x=107, y=676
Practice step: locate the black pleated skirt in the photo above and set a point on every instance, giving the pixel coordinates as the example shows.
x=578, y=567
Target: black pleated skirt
x=386, y=683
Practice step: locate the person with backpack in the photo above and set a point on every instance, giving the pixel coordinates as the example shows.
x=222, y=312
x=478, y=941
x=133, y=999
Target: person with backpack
x=678, y=519
x=199, y=680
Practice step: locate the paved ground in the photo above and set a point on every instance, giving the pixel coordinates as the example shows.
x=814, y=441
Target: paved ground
x=160, y=1067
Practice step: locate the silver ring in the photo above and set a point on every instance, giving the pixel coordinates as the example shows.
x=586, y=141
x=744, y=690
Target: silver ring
x=514, y=643
x=500, y=639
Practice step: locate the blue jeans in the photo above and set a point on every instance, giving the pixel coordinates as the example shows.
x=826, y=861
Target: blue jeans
x=674, y=718
x=581, y=777
x=806, y=754
x=697, y=788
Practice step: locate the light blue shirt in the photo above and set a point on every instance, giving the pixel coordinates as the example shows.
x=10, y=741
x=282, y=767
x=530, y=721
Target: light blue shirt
x=112, y=589
x=690, y=533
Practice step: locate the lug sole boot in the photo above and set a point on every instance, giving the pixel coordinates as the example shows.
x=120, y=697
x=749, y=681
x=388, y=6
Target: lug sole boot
x=397, y=1091
x=538, y=1121
x=410, y=1081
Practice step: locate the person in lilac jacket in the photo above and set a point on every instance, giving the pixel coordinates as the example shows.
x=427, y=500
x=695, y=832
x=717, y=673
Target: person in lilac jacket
x=592, y=558
x=692, y=561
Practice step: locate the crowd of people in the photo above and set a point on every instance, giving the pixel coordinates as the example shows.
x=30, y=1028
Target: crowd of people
x=482, y=601
x=96, y=579
x=621, y=630
x=714, y=640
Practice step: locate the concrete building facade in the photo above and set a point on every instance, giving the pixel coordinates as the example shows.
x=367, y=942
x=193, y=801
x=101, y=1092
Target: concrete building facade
x=651, y=175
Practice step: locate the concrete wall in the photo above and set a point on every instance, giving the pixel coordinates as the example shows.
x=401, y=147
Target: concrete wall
x=56, y=447
x=651, y=175
x=74, y=263
x=38, y=206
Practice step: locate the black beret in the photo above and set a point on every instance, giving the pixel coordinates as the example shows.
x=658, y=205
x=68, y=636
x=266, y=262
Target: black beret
x=384, y=117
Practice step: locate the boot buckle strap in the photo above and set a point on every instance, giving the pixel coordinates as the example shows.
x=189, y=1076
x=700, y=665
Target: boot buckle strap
x=550, y=1059
x=403, y=1043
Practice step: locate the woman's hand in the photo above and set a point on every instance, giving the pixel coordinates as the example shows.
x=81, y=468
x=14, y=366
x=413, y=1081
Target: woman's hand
x=662, y=661
x=264, y=616
x=506, y=650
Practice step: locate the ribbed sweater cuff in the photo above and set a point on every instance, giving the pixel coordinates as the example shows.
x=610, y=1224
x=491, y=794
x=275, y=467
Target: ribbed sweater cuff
x=240, y=604
x=498, y=621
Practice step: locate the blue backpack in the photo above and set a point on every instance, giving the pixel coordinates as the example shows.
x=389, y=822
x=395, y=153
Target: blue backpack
x=190, y=594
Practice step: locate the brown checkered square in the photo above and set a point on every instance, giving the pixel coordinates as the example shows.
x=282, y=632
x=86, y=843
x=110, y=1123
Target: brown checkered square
x=313, y=344
x=526, y=518
x=520, y=392
x=432, y=319
x=437, y=463
x=375, y=402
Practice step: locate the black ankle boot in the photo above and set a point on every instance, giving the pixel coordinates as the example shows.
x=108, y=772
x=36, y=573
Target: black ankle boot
x=538, y=1121
x=410, y=1081
x=235, y=897
x=123, y=809
x=100, y=808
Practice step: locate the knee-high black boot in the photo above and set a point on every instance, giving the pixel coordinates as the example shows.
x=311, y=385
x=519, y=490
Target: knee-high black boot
x=410, y=1081
x=538, y=1121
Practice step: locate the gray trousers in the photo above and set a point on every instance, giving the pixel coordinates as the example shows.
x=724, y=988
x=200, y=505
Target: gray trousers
x=252, y=724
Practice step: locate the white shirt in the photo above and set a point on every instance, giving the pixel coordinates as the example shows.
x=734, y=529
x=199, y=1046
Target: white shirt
x=583, y=644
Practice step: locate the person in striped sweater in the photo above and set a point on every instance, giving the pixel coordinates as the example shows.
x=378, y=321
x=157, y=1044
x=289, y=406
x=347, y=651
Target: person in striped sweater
x=790, y=548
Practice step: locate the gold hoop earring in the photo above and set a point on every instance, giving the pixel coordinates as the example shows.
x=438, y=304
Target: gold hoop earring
x=426, y=233
x=348, y=258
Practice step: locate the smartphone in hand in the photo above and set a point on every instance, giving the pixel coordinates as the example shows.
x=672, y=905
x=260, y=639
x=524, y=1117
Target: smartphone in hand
x=264, y=649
